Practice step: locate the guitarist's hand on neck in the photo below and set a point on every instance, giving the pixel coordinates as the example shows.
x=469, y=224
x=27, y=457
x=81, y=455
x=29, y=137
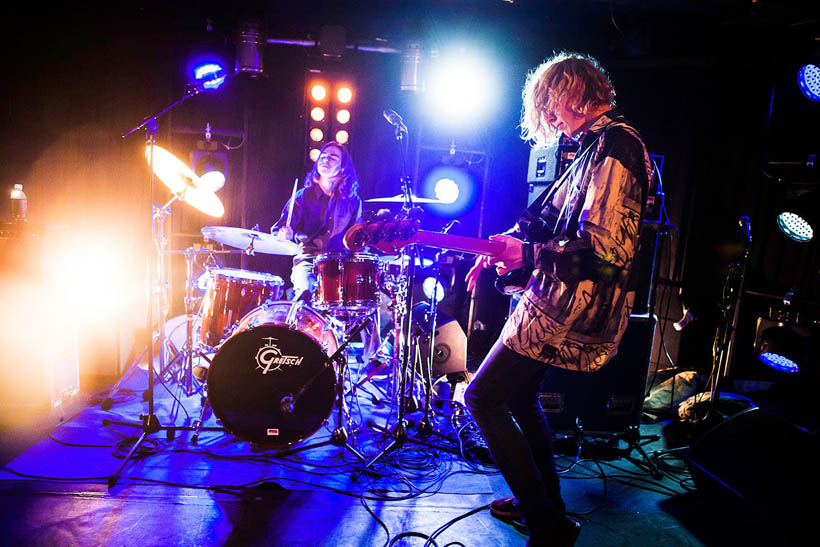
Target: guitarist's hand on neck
x=510, y=258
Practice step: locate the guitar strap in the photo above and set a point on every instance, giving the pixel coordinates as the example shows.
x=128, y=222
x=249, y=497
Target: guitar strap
x=530, y=219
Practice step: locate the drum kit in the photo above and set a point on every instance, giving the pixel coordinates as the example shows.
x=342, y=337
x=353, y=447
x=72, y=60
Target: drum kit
x=270, y=369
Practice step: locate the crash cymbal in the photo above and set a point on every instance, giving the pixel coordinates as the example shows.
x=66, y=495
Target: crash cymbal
x=184, y=183
x=400, y=199
x=251, y=240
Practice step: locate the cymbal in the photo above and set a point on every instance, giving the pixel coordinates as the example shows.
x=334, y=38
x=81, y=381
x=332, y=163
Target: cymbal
x=400, y=199
x=251, y=240
x=183, y=182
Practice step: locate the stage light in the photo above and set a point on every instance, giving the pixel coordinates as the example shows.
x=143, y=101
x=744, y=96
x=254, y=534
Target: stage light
x=317, y=113
x=343, y=116
x=316, y=134
x=446, y=190
x=211, y=166
x=797, y=217
x=95, y=267
x=431, y=283
x=808, y=78
x=795, y=227
x=411, y=67
x=342, y=136
x=314, y=154
x=461, y=87
x=250, y=43
x=782, y=348
x=211, y=75
x=318, y=92
x=344, y=94
x=454, y=186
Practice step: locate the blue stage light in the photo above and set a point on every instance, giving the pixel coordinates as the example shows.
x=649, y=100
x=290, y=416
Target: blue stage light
x=808, y=78
x=783, y=348
x=431, y=283
x=795, y=227
x=454, y=186
x=779, y=362
x=446, y=190
x=210, y=74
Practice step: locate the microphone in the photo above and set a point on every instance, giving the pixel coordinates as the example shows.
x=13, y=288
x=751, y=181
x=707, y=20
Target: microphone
x=395, y=120
x=286, y=404
x=449, y=226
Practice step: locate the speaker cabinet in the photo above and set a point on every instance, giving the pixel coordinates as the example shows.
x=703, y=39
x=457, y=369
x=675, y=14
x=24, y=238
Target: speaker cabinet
x=608, y=400
x=756, y=462
x=449, y=349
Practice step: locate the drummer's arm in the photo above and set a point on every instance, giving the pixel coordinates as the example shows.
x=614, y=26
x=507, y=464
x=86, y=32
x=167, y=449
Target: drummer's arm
x=280, y=227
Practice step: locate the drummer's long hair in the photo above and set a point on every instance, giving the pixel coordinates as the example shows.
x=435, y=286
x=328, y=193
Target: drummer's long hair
x=349, y=183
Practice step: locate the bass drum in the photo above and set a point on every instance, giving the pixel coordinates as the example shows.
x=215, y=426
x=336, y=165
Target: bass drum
x=270, y=383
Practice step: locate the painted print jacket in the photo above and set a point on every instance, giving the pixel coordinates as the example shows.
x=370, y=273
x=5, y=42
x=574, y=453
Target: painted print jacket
x=581, y=241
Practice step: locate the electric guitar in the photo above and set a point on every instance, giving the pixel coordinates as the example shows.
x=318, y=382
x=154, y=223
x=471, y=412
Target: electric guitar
x=391, y=236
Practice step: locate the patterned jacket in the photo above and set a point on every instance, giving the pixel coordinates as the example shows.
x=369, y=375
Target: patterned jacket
x=581, y=242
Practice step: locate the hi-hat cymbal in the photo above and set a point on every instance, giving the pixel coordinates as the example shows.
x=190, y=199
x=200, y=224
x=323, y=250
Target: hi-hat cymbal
x=400, y=199
x=250, y=240
x=183, y=182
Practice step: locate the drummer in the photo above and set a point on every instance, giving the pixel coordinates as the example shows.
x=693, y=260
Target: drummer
x=323, y=210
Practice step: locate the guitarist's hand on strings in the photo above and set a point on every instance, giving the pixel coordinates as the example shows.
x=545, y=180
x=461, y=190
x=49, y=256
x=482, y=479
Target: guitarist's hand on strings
x=510, y=258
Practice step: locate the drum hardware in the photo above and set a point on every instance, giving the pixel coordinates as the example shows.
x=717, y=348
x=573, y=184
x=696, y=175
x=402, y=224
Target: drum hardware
x=340, y=435
x=407, y=337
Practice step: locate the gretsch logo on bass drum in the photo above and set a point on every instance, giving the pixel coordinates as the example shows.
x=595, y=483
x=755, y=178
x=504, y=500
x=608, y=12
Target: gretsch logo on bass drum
x=269, y=357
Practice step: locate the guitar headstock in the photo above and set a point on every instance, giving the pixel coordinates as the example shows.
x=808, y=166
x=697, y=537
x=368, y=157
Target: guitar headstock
x=388, y=236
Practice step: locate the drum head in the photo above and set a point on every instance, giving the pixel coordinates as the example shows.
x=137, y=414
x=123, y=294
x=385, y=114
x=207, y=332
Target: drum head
x=253, y=375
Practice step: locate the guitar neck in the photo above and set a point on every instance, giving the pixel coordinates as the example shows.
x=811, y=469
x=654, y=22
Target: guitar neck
x=459, y=243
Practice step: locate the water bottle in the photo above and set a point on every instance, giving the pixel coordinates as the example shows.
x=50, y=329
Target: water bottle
x=19, y=203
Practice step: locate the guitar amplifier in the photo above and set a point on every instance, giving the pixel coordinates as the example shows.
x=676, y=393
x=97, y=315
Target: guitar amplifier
x=609, y=400
x=548, y=163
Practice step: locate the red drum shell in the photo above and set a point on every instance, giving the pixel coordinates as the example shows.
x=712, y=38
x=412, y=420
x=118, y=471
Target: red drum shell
x=230, y=296
x=347, y=283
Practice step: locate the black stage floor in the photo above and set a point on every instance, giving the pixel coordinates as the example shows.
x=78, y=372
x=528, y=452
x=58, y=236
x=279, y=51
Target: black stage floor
x=57, y=483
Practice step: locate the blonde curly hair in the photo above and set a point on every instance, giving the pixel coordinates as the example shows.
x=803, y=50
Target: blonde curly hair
x=576, y=77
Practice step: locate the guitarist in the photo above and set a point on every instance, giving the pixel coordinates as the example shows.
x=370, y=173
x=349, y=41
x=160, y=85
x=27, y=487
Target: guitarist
x=578, y=240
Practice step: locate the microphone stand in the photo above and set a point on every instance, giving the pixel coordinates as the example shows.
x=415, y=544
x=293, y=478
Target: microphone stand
x=149, y=422
x=406, y=347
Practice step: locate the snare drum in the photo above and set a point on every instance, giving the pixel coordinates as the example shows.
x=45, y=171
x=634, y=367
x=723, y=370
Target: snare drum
x=347, y=283
x=231, y=294
x=269, y=383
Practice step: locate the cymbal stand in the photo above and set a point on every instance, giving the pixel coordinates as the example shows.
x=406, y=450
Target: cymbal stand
x=339, y=436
